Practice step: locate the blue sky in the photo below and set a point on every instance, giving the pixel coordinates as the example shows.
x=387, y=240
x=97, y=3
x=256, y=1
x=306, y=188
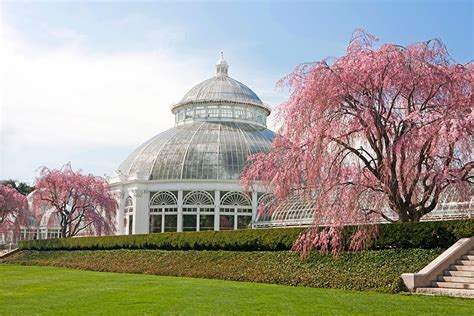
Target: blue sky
x=87, y=82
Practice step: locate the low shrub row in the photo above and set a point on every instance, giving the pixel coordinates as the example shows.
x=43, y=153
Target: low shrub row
x=403, y=235
x=239, y=240
x=369, y=270
x=426, y=235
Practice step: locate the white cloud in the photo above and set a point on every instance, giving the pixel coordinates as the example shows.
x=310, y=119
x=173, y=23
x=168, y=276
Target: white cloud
x=64, y=99
x=60, y=103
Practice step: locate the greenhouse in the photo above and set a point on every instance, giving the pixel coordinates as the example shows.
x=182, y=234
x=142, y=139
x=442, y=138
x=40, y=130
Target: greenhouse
x=187, y=178
x=296, y=211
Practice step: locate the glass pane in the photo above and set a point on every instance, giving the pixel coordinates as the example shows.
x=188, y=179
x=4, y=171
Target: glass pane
x=155, y=223
x=206, y=222
x=243, y=221
x=171, y=223
x=130, y=224
x=227, y=222
x=189, y=223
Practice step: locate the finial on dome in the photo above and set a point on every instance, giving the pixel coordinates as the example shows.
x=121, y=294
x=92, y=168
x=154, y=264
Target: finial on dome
x=222, y=67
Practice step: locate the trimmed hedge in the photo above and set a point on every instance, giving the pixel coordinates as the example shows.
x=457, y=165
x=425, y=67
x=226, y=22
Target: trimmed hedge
x=402, y=235
x=368, y=270
x=239, y=240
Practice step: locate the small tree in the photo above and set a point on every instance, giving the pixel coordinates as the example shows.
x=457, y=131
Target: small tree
x=379, y=132
x=13, y=209
x=82, y=202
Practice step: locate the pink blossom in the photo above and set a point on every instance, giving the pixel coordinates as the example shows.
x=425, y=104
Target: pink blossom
x=380, y=132
x=82, y=203
x=13, y=209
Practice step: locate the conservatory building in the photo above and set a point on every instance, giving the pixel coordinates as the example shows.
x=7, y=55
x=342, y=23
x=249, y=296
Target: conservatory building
x=187, y=178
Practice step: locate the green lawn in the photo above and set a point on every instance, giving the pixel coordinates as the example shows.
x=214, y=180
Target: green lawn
x=26, y=290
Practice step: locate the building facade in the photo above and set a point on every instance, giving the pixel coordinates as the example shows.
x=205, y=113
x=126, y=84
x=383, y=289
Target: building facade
x=187, y=178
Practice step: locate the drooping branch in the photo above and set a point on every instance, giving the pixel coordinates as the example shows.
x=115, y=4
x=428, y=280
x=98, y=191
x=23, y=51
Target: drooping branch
x=385, y=130
x=80, y=201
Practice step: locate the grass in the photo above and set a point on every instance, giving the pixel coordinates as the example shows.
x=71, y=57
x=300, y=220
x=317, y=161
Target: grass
x=26, y=290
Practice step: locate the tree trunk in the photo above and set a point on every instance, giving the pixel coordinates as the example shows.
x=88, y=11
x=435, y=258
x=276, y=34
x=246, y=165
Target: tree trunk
x=63, y=231
x=408, y=215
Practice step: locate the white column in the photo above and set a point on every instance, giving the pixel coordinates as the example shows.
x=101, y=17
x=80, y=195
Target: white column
x=119, y=228
x=217, y=203
x=235, y=218
x=198, y=219
x=254, y=206
x=141, y=212
x=180, y=211
x=162, y=220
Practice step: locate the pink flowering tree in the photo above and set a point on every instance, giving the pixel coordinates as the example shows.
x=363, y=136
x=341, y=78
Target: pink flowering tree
x=13, y=209
x=81, y=202
x=380, y=132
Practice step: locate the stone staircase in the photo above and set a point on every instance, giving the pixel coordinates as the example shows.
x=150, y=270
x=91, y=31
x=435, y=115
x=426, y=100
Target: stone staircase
x=457, y=280
x=7, y=252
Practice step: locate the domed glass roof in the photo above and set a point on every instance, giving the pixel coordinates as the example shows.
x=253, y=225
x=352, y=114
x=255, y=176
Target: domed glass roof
x=210, y=141
x=199, y=150
x=221, y=88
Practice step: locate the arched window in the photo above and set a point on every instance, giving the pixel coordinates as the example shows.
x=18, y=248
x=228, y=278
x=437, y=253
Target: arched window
x=128, y=215
x=236, y=199
x=163, y=212
x=236, y=211
x=265, y=207
x=128, y=206
x=198, y=211
x=163, y=198
x=198, y=198
x=293, y=211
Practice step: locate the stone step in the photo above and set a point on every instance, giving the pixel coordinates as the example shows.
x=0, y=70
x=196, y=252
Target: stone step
x=465, y=262
x=459, y=273
x=471, y=252
x=457, y=279
x=453, y=285
x=461, y=268
x=445, y=292
x=468, y=257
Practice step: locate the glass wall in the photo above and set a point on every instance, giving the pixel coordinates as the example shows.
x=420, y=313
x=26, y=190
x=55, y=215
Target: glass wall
x=226, y=222
x=244, y=222
x=171, y=223
x=128, y=215
x=163, y=212
x=189, y=223
x=236, y=211
x=130, y=224
x=199, y=211
x=246, y=113
x=206, y=222
x=156, y=223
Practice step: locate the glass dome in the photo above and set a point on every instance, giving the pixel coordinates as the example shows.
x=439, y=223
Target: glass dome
x=221, y=88
x=219, y=123
x=221, y=98
x=200, y=150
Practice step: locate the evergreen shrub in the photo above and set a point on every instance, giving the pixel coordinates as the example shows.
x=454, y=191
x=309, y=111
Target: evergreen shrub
x=426, y=235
